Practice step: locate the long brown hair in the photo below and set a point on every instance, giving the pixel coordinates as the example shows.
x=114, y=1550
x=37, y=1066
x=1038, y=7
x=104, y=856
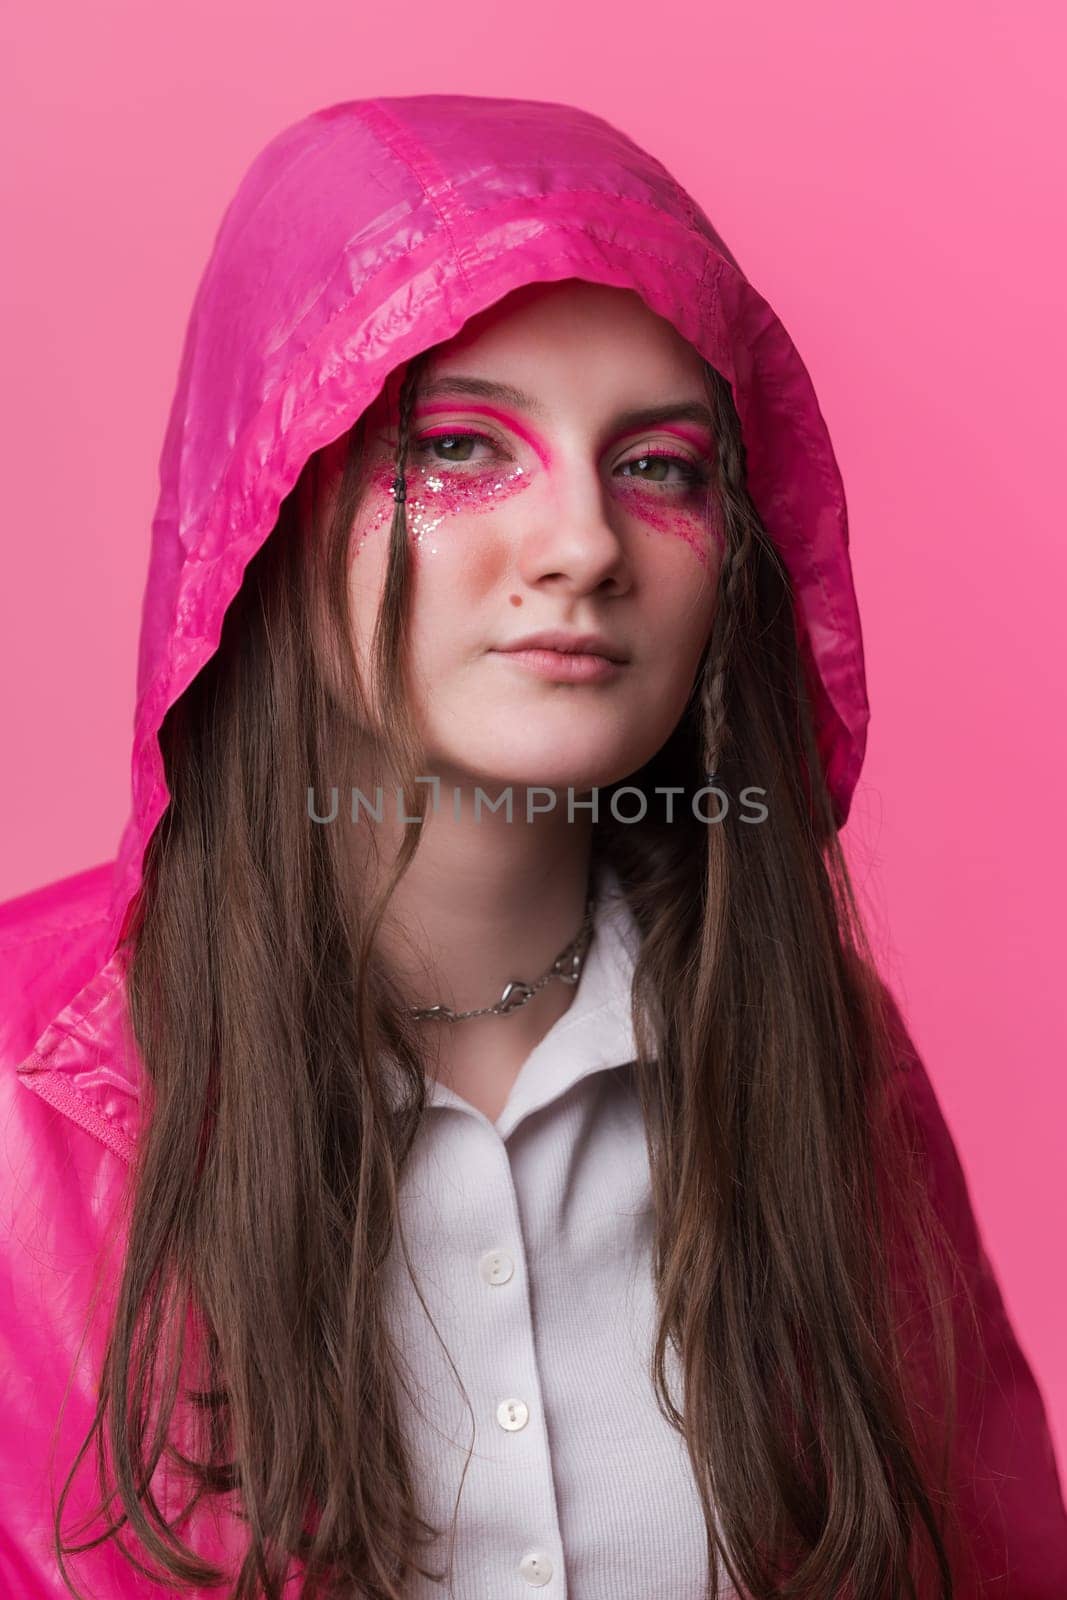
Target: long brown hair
x=283, y=1088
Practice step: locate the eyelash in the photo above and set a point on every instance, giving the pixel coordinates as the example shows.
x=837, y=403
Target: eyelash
x=695, y=473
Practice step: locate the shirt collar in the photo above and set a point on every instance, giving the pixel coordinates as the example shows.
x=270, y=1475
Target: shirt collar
x=596, y=1030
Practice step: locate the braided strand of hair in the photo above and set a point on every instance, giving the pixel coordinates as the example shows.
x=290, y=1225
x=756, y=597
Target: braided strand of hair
x=406, y=404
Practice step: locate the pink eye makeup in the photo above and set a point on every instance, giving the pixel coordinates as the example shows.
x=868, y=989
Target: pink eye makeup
x=439, y=487
x=680, y=507
x=453, y=470
x=506, y=420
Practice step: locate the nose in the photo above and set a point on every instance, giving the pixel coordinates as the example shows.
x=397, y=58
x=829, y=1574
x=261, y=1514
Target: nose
x=569, y=541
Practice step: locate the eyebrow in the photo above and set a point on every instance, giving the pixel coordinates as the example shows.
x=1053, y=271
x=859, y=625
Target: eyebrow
x=507, y=394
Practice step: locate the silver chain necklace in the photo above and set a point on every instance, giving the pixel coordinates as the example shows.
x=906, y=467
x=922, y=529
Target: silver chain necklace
x=567, y=967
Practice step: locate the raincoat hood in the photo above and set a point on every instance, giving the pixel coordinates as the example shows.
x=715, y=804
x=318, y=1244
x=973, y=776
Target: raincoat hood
x=374, y=229
x=359, y=237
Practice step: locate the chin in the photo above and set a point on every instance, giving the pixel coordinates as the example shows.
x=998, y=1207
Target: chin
x=551, y=761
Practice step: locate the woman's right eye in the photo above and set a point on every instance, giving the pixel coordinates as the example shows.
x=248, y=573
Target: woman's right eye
x=428, y=444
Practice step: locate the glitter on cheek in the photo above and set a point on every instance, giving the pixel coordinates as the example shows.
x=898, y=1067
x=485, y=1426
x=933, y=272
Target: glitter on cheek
x=433, y=497
x=686, y=524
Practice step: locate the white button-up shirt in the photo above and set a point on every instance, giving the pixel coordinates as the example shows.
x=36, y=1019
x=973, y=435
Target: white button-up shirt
x=530, y=1238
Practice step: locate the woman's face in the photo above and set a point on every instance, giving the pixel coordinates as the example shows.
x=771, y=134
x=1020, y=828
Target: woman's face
x=538, y=500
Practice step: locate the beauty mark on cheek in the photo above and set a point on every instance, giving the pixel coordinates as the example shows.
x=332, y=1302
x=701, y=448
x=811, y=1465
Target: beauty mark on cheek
x=433, y=497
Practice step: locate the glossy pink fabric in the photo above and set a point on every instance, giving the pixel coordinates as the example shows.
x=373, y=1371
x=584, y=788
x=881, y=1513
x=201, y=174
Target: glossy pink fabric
x=360, y=236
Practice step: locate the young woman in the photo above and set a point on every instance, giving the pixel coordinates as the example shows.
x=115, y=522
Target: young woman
x=461, y=1143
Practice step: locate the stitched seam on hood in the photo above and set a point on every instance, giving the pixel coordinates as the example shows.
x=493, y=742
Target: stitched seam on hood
x=401, y=143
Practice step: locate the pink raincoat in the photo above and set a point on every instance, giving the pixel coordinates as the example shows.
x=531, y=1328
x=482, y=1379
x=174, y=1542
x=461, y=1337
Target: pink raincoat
x=361, y=235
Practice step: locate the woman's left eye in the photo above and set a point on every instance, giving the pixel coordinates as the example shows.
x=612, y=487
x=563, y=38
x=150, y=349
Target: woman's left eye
x=693, y=473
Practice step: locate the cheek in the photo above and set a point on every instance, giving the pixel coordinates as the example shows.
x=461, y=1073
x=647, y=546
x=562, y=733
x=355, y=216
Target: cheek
x=484, y=567
x=683, y=598
x=470, y=560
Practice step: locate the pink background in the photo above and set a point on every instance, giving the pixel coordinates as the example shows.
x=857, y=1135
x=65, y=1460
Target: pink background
x=888, y=176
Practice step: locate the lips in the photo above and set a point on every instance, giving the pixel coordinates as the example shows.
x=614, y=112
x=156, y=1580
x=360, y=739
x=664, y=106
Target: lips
x=588, y=644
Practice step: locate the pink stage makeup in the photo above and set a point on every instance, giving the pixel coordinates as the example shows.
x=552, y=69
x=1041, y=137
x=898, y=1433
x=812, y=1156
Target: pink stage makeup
x=433, y=495
x=437, y=490
x=698, y=438
x=687, y=525
x=680, y=511
x=505, y=419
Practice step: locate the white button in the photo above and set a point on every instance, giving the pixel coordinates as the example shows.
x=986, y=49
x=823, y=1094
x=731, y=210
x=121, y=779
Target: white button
x=496, y=1266
x=536, y=1568
x=513, y=1414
